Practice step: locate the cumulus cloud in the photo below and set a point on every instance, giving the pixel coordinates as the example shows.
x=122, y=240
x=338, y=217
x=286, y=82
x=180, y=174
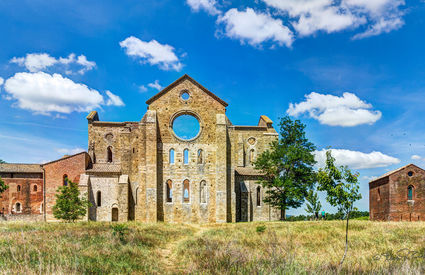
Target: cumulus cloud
x=70, y=151
x=113, y=100
x=255, y=27
x=35, y=62
x=310, y=16
x=155, y=85
x=207, y=5
x=44, y=93
x=152, y=52
x=416, y=157
x=346, y=111
x=356, y=159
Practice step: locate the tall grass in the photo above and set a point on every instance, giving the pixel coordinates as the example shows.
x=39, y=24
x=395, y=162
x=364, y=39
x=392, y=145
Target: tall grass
x=243, y=248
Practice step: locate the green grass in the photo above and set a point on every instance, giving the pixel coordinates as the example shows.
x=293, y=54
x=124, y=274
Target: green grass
x=310, y=247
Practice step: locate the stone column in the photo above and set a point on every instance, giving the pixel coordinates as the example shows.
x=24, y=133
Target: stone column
x=221, y=169
x=151, y=166
x=123, y=186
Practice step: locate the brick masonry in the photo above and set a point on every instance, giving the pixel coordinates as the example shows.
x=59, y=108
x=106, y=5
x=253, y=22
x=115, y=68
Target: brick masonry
x=388, y=195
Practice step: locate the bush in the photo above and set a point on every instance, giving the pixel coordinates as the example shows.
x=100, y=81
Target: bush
x=119, y=229
x=261, y=228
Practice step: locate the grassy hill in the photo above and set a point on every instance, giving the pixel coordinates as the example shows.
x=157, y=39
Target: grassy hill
x=243, y=248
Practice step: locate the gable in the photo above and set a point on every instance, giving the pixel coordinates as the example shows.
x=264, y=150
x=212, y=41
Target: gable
x=180, y=80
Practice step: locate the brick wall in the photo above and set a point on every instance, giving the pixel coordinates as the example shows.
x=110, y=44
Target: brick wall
x=72, y=166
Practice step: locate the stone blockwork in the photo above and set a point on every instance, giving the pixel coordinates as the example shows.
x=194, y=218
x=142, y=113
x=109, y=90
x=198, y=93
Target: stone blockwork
x=389, y=195
x=199, y=191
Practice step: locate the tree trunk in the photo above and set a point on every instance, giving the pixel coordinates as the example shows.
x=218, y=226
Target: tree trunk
x=346, y=240
x=282, y=213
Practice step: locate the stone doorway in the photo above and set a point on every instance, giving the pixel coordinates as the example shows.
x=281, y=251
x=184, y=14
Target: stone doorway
x=114, y=214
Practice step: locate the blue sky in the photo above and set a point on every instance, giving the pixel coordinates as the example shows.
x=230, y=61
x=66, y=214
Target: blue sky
x=353, y=70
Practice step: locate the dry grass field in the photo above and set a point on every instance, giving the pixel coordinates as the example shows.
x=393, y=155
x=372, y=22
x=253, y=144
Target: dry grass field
x=243, y=248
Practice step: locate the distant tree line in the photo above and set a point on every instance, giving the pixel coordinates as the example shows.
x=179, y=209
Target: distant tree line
x=331, y=216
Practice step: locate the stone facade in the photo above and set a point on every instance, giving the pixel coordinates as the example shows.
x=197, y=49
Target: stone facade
x=398, y=195
x=133, y=178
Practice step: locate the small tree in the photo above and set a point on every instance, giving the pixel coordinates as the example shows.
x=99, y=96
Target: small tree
x=3, y=186
x=342, y=189
x=2, y=161
x=70, y=206
x=313, y=203
x=287, y=167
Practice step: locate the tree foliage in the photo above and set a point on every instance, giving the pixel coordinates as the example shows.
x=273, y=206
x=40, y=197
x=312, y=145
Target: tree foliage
x=313, y=204
x=70, y=206
x=342, y=189
x=287, y=167
x=3, y=186
x=2, y=161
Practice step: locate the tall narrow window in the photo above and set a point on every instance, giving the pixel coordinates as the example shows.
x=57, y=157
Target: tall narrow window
x=99, y=198
x=258, y=196
x=251, y=156
x=203, y=192
x=186, y=191
x=410, y=192
x=18, y=207
x=379, y=194
x=65, y=180
x=186, y=156
x=109, y=154
x=34, y=188
x=171, y=156
x=200, y=156
x=169, y=191
x=18, y=188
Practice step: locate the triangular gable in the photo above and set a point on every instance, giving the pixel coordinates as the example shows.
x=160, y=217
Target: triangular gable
x=181, y=79
x=395, y=171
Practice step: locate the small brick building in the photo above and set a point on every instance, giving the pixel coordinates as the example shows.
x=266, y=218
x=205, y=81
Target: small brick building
x=25, y=193
x=398, y=195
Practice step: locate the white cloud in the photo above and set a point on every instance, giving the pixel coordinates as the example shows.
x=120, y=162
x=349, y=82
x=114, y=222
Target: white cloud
x=44, y=93
x=35, y=62
x=369, y=178
x=152, y=52
x=356, y=159
x=346, y=111
x=207, y=5
x=143, y=89
x=416, y=157
x=114, y=100
x=1, y=81
x=155, y=85
x=68, y=151
x=310, y=16
x=255, y=27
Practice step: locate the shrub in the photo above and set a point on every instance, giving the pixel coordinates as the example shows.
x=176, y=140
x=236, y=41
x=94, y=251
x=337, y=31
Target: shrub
x=261, y=228
x=119, y=230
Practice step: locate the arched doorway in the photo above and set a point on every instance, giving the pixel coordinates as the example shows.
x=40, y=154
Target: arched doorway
x=114, y=214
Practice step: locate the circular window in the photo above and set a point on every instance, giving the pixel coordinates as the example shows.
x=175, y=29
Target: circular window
x=185, y=96
x=186, y=127
x=410, y=173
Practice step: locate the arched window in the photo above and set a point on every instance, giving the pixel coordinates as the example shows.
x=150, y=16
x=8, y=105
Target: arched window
x=186, y=156
x=200, y=156
x=410, y=192
x=18, y=188
x=35, y=188
x=169, y=191
x=379, y=194
x=186, y=194
x=18, y=207
x=251, y=156
x=109, y=154
x=171, y=156
x=203, y=192
x=99, y=199
x=65, y=180
x=258, y=196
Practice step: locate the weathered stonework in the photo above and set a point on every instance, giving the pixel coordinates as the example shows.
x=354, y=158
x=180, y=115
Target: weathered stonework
x=389, y=195
x=140, y=151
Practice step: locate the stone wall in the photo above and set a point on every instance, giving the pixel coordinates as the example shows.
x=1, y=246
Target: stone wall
x=22, y=217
